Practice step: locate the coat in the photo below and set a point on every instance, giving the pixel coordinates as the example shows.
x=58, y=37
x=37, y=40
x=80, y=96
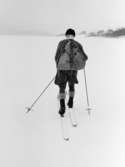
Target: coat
x=61, y=50
x=70, y=75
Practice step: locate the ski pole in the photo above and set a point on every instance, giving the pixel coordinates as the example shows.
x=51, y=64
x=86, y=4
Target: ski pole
x=87, y=97
x=29, y=108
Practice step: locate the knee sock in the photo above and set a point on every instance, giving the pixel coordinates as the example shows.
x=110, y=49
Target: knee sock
x=71, y=97
x=62, y=100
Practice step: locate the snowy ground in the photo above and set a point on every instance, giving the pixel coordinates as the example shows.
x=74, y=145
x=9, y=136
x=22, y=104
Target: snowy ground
x=34, y=139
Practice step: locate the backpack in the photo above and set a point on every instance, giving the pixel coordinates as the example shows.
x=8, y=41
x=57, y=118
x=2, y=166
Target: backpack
x=72, y=57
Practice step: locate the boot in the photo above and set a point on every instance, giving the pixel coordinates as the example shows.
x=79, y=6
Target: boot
x=62, y=112
x=62, y=107
x=70, y=102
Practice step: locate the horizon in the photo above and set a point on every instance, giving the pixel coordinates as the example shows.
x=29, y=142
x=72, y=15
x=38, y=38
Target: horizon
x=50, y=34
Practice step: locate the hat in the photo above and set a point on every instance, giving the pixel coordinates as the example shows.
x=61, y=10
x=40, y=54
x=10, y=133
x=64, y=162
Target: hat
x=70, y=32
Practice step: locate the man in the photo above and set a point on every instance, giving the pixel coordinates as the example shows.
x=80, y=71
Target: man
x=69, y=58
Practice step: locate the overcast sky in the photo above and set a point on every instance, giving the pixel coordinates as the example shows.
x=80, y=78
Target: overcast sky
x=57, y=15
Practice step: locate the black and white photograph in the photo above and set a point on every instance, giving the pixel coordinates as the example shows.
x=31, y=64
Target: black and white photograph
x=62, y=84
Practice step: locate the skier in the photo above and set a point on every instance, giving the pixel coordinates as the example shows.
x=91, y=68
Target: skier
x=70, y=57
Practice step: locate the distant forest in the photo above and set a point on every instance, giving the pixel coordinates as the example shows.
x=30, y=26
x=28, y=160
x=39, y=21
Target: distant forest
x=120, y=32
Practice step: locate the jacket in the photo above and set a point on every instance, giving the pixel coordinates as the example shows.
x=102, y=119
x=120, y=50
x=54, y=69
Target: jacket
x=61, y=49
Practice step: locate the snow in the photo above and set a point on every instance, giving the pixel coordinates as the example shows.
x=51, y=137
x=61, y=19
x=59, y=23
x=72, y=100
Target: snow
x=26, y=67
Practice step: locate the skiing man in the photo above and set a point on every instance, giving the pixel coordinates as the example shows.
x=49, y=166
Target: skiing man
x=69, y=58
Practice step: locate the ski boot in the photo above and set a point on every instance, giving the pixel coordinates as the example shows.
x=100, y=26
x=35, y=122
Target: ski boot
x=62, y=107
x=62, y=112
x=70, y=102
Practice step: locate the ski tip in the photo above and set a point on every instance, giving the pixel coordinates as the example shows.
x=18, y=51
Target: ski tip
x=75, y=125
x=89, y=110
x=66, y=139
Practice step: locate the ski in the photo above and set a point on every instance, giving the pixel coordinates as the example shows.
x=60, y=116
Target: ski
x=64, y=124
x=65, y=128
x=73, y=118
